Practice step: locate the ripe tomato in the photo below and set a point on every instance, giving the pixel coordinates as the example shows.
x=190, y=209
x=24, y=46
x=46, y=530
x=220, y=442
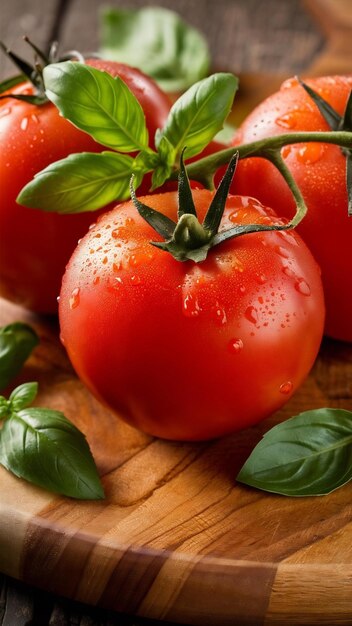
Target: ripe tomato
x=191, y=351
x=35, y=246
x=320, y=172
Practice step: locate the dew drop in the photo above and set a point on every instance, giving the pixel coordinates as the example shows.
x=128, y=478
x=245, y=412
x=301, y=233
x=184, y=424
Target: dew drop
x=302, y=287
x=5, y=111
x=35, y=118
x=286, y=387
x=191, y=306
x=288, y=272
x=286, y=150
x=310, y=153
x=119, y=233
x=261, y=279
x=75, y=298
x=289, y=120
x=235, y=346
x=96, y=280
x=117, y=266
x=251, y=314
x=24, y=123
x=281, y=251
x=220, y=315
x=135, y=279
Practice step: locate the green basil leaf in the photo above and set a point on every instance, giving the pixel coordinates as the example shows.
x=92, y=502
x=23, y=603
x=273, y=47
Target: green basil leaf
x=307, y=455
x=162, y=171
x=157, y=41
x=100, y=105
x=81, y=182
x=16, y=344
x=43, y=447
x=23, y=395
x=199, y=114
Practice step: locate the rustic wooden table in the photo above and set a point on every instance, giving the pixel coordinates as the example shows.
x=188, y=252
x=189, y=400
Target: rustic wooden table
x=260, y=41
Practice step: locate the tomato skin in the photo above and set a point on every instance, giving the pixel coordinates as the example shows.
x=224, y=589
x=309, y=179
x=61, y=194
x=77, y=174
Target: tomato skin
x=191, y=351
x=35, y=246
x=320, y=172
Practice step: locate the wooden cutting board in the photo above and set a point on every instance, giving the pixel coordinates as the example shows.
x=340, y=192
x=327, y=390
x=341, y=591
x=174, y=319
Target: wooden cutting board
x=176, y=537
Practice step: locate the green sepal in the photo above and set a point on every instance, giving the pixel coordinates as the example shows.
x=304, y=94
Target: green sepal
x=332, y=118
x=7, y=84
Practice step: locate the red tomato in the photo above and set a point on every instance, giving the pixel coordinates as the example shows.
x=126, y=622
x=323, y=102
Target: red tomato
x=320, y=171
x=191, y=351
x=35, y=246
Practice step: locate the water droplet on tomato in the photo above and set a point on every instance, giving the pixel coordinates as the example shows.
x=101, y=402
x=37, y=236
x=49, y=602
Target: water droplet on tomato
x=288, y=271
x=24, y=123
x=135, y=279
x=302, y=287
x=251, y=314
x=75, y=298
x=220, y=315
x=286, y=151
x=290, y=82
x=5, y=111
x=235, y=346
x=119, y=233
x=117, y=266
x=286, y=387
x=289, y=120
x=35, y=118
x=96, y=280
x=281, y=251
x=191, y=306
x=261, y=279
x=310, y=153
x=129, y=221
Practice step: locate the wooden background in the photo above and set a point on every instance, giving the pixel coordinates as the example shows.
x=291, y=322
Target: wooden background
x=275, y=38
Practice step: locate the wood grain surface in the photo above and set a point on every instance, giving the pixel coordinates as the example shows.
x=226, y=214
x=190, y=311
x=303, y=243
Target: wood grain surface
x=176, y=538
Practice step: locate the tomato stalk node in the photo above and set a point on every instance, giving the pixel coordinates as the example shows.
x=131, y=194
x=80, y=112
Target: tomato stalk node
x=188, y=239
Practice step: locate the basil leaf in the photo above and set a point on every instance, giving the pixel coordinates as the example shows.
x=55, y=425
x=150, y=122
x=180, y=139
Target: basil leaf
x=158, y=42
x=43, y=447
x=94, y=101
x=16, y=344
x=162, y=171
x=81, y=182
x=199, y=114
x=308, y=455
x=23, y=395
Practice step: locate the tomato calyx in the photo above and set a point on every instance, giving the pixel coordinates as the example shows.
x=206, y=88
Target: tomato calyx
x=337, y=123
x=188, y=239
x=33, y=73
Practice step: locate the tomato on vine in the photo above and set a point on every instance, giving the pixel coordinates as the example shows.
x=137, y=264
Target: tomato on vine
x=320, y=172
x=33, y=135
x=204, y=332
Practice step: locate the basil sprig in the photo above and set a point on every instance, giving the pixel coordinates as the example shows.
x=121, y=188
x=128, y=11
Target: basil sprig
x=16, y=344
x=105, y=108
x=307, y=455
x=37, y=444
x=157, y=41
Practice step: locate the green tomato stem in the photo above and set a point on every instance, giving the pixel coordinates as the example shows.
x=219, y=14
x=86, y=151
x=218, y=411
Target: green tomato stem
x=203, y=170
